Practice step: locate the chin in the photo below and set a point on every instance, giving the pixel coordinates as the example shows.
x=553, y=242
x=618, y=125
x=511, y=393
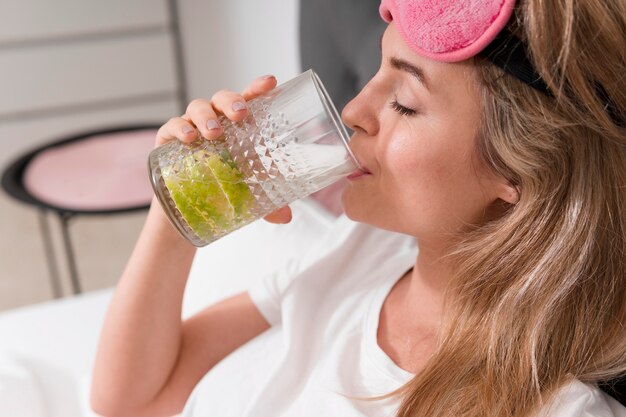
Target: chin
x=360, y=211
x=351, y=208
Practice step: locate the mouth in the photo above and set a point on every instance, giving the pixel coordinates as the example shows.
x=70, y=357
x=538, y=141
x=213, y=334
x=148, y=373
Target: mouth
x=360, y=172
x=361, y=169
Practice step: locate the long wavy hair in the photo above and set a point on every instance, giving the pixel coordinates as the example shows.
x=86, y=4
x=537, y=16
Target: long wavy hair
x=540, y=296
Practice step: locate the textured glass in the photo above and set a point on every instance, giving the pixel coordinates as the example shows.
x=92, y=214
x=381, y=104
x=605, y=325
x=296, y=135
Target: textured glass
x=291, y=145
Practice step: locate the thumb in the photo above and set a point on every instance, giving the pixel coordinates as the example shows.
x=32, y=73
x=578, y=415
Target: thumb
x=280, y=216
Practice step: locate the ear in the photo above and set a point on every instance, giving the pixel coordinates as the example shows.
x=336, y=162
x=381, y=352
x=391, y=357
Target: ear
x=508, y=192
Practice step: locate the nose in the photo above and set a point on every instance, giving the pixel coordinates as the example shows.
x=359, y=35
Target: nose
x=360, y=113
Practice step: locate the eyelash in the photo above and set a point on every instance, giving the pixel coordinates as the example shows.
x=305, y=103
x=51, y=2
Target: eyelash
x=404, y=111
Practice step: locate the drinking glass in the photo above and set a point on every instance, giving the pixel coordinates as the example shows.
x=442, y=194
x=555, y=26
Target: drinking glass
x=290, y=145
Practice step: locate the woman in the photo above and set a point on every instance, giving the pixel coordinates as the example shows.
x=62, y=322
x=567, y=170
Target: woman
x=509, y=171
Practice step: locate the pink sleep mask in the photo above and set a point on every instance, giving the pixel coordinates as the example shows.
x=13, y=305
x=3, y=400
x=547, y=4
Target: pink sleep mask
x=456, y=30
x=448, y=30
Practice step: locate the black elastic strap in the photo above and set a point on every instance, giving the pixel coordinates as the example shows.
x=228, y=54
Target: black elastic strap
x=508, y=52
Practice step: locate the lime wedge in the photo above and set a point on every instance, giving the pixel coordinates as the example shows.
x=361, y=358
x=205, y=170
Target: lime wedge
x=232, y=183
x=209, y=192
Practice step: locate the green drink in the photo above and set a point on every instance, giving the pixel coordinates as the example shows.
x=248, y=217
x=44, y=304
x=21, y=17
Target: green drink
x=209, y=192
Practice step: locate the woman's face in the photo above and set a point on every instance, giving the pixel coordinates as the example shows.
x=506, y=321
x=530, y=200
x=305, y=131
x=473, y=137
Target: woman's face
x=415, y=125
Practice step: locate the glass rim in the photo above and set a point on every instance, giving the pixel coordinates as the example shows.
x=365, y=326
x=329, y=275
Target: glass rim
x=332, y=112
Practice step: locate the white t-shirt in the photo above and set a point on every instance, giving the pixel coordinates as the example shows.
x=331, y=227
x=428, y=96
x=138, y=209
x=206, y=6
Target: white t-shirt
x=321, y=351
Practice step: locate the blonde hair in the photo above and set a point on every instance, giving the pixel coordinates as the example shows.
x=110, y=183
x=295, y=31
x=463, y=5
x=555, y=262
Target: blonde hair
x=540, y=298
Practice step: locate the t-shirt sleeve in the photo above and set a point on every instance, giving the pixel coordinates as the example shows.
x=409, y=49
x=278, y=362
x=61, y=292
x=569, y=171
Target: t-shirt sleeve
x=267, y=292
x=577, y=399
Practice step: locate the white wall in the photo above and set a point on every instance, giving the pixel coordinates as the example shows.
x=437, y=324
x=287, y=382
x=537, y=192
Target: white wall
x=229, y=42
x=47, y=61
x=226, y=44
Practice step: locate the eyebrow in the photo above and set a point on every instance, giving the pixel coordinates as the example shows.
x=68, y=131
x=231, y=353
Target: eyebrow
x=402, y=65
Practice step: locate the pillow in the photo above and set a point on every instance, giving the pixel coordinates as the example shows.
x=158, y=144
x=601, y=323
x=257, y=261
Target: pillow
x=46, y=355
x=20, y=388
x=231, y=264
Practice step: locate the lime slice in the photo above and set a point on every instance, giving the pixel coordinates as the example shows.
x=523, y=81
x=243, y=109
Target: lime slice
x=232, y=183
x=198, y=197
x=209, y=192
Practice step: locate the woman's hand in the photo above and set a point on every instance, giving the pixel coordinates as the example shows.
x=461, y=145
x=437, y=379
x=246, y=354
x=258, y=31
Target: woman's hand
x=200, y=120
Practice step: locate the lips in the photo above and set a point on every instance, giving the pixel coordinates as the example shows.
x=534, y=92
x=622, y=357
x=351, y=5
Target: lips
x=360, y=172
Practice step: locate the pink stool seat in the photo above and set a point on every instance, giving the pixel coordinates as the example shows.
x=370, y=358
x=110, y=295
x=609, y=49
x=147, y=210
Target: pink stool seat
x=98, y=173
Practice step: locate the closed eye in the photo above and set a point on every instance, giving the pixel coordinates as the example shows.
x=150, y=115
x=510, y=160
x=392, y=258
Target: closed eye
x=404, y=111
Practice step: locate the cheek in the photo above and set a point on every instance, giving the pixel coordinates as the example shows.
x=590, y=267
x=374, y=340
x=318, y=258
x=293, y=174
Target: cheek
x=416, y=166
x=431, y=180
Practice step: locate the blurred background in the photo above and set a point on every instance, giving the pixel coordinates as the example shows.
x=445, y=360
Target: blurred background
x=68, y=66
x=71, y=66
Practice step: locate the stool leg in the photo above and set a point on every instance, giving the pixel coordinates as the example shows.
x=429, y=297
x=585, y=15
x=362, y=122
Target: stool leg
x=71, y=261
x=44, y=225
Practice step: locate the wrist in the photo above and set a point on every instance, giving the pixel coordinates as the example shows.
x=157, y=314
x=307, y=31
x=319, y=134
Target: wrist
x=161, y=227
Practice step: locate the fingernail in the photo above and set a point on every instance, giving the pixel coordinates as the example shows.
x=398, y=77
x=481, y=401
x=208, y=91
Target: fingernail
x=212, y=124
x=267, y=77
x=187, y=130
x=239, y=106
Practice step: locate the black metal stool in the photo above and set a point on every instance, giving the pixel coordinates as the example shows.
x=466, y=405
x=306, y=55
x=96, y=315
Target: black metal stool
x=13, y=183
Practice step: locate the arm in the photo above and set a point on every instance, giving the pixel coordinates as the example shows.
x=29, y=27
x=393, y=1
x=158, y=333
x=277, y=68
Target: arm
x=148, y=360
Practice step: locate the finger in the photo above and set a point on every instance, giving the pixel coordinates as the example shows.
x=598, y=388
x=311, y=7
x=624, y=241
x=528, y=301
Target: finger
x=280, y=216
x=176, y=128
x=230, y=104
x=201, y=114
x=259, y=86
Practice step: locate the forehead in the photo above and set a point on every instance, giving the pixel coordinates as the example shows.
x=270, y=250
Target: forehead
x=442, y=77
